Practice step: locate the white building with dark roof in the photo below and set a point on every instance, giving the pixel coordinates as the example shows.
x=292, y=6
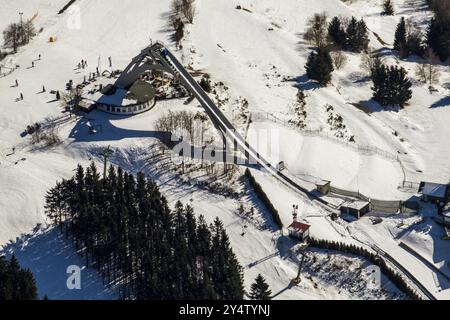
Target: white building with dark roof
x=434, y=192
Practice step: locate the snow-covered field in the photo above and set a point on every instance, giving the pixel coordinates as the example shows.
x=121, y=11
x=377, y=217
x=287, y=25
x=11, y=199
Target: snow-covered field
x=236, y=48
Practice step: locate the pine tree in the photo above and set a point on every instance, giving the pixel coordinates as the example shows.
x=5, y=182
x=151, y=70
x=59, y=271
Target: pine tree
x=391, y=86
x=260, y=289
x=336, y=33
x=351, y=41
x=320, y=66
x=362, y=36
x=388, y=8
x=401, y=86
x=438, y=36
x=400, y=43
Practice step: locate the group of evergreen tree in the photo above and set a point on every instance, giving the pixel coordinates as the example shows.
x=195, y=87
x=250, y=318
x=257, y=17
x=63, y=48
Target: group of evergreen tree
x=352, y=36
x=124, y=228
x=372, y=257
x=264, y=198
x=438, y=32
x=391, y=85
x=408, y=40
x=15, y=282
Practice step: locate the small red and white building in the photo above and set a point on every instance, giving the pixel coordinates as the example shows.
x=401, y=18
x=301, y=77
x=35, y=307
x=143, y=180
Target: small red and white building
x=299, y=230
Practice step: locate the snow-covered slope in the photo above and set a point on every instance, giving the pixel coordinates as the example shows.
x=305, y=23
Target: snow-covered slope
x=237, y=48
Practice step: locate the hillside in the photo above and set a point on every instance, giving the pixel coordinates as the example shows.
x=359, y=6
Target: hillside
x=259, y=55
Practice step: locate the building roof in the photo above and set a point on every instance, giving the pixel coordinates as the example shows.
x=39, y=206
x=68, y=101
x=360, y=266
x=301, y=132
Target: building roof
x=298, y=226
x=357, y=205
x=434, y=189
x=142, y=91
x=322, y=183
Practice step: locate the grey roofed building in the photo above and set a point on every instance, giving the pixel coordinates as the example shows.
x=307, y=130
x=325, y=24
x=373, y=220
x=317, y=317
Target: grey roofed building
x=434, y=192
x=141, y=91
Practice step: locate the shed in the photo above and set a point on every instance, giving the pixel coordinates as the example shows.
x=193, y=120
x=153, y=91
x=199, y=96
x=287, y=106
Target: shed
x=323, y=186
x=355, y=208
x=434, y=192
x=86, y=105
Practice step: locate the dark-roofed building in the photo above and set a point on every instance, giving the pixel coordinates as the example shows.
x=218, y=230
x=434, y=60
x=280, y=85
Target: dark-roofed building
x=299, y=230
x=355, y=208
x=434, y=192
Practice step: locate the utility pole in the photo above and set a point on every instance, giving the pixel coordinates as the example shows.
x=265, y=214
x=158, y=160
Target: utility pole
x=106, y=153
x=297, y=279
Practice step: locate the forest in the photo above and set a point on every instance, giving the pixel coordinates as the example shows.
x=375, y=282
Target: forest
x=123, y=226
x=16, y=283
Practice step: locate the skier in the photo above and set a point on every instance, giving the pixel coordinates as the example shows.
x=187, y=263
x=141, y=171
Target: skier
x=32, y=64
x=17, y=83
x=43, y=88
x=21, y=96
x=39, y=56
x=58, y=95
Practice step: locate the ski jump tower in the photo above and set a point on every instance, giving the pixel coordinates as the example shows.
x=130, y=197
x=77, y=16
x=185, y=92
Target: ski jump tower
x=149, y=59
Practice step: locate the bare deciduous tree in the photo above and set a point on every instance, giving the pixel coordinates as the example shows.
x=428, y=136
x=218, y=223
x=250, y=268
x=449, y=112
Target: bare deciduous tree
x=369, y=61
x=70, y=99
x=428, y=72
x=185, y=8
x=339, y=59
x=317, y=31
x=18, y=34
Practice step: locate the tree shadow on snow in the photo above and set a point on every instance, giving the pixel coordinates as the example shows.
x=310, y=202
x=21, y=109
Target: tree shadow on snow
x=98, y=126
x=444, y=102
x=48, y=255
x=304, y=83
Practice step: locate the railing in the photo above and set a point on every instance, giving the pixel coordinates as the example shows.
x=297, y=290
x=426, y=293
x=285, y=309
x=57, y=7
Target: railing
x=362, y=149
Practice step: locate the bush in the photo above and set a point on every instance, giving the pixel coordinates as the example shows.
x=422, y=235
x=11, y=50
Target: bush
x=264, y=198
x=205, y=83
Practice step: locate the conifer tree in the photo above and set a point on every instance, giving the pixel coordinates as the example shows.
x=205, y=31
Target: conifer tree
x=388, y=8
x=320, y=66
x=391, y=86
x=352, y=33
x=260, y=289
x=400, y=43
x=438, y=36
x=336, y=33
